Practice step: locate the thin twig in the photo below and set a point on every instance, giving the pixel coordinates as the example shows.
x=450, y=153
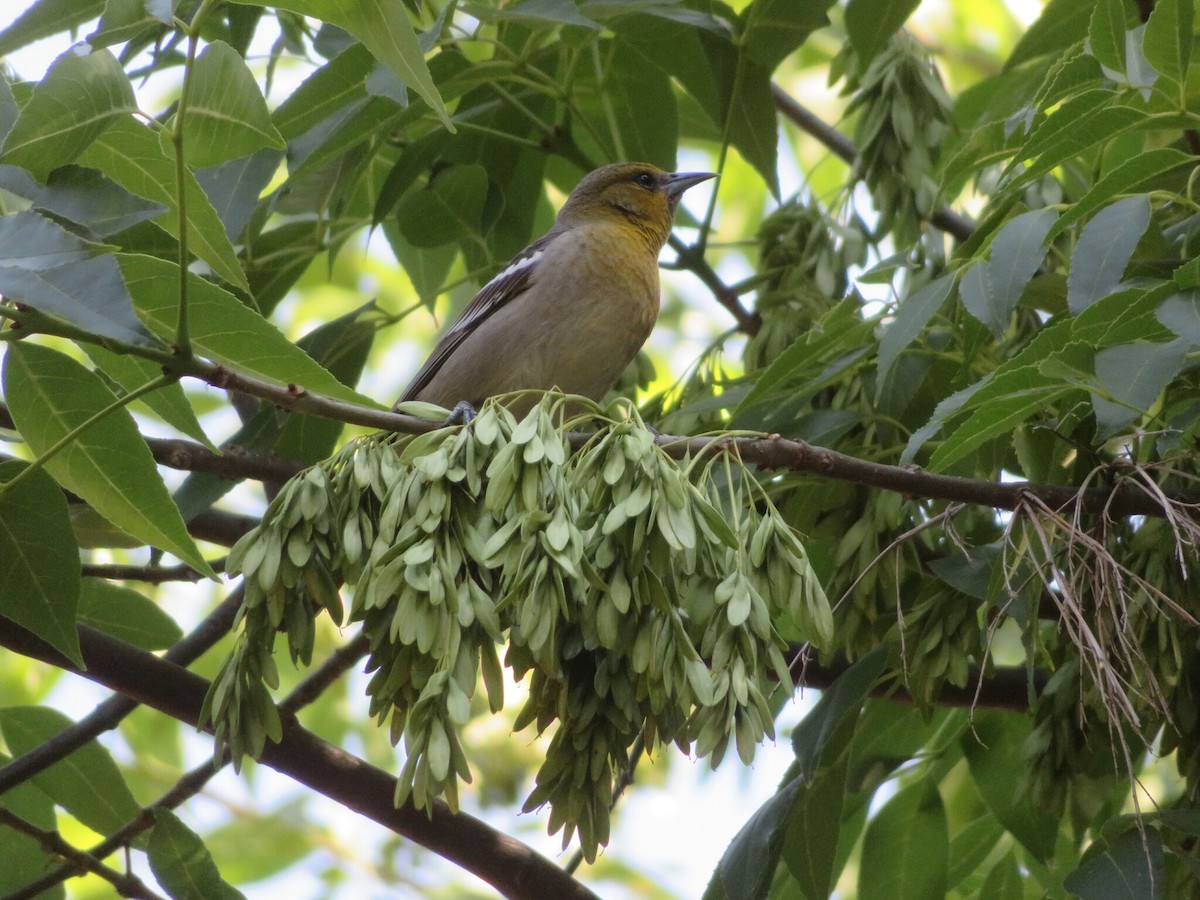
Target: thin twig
x=52, y=842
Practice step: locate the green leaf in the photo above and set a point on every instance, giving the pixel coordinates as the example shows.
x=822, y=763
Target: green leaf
x=31, y=241
x=88, y=293
x=200, y=490
x=181, y=862
x=1139, y=74
x=889, y=735
x=39, y=581
x=8, y=116
x=1133, y=376
x=996, y=763
x=748, y=864
x=838, y=332
x=1066, y=78
x=643, y=108
x=744, y=106
x=1131, y=868
x=46, y=17
x=224, y=329
x=328, y=90
x=251, y=849
x=1017, y=395
x=80, y=97
x=108, y=465
x=1167, y=40
x=1106, y=34
x=906, y=847
x=170, y=403
x=776, y=28
x=814, y=826
x=426, y=267
x=1080, y=123
x=553, y=12
x=991, y=290
x=226, y=116
x=1181, y=313
x=234, y=188
x=87, y=783
x=677, y=49
x=24, y=858
x=277, y=259
x=1061, y=24
x=912, y=315
x=448, y=208
x=126, y=615
x=126, y=20
x=1130, y=174
x=971, y=845
x=385, y=30
x=994, y=386
x=870, y=24
x=970, y=570
x=133, y=156
x=1104, y=249
x=83, y=196
x=1123, y=317
x=844, y=697
x=1004, y=881
x=341, y=346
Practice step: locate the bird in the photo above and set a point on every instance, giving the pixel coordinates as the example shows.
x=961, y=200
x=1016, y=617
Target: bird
x=572, y=309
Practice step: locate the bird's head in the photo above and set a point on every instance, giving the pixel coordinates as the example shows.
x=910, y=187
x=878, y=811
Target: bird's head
x=639, y=192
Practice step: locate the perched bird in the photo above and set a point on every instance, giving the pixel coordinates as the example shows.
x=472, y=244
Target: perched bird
x=574, y=307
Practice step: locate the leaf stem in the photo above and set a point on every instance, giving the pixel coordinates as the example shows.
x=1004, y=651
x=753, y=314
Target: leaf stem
x=183, y=338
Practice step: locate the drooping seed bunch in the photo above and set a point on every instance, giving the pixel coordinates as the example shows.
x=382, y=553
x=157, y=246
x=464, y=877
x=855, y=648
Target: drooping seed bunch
x=639, y=595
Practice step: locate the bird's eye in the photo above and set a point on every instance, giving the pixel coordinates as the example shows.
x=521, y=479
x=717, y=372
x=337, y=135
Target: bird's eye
x=645, y=179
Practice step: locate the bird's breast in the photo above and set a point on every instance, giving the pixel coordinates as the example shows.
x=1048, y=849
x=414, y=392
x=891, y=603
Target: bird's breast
x=599, y=299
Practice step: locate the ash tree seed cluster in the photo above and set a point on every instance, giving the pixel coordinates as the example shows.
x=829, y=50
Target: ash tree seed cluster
x=637, y=595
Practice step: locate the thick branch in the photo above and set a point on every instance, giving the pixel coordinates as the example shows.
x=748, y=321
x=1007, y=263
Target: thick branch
x=775, y=452
x=504, y=862
x=146, y=574
x=308, y=691
x=1002, y=688
x=772, y=452
x=233, y=463
x=220, y=527
x=108, y=714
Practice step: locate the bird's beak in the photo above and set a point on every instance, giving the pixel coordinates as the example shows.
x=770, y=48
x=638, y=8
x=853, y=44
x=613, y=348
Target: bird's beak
x=678, y=182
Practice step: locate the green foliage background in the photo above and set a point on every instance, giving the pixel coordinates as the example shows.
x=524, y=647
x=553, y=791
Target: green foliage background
x=994, y=281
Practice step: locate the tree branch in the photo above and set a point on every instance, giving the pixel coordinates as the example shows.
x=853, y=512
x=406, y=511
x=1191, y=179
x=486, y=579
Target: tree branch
x=1004, y=687
x=52, y=842
x=692, y=259
x=146, y=574
x=220, y=527
x=772, y=452
x=503, y=862
x=108, y=714
x=192, y=782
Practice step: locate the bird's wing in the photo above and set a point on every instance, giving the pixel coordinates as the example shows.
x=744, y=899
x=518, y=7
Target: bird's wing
x=501, y=290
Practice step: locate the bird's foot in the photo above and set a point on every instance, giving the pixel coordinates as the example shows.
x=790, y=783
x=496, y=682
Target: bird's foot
x=462, y=414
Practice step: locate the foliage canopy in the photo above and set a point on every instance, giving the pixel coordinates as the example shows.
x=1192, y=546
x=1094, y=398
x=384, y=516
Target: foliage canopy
x=958, y=360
